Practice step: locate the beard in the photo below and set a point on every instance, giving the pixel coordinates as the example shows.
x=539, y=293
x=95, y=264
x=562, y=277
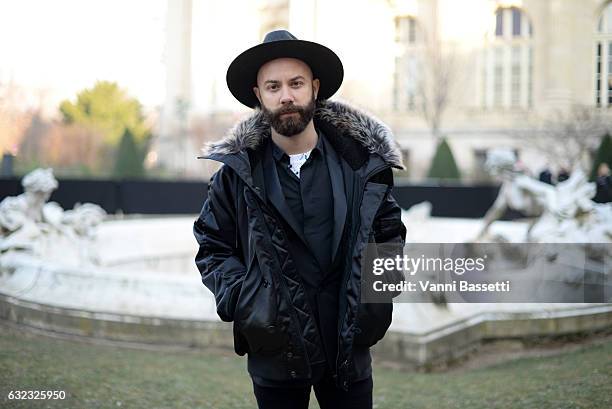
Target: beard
x=290, y=125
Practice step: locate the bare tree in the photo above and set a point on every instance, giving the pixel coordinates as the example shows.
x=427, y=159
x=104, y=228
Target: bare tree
x=566, y=138
x=13, y=119
x=436, y=78
x=76, y=148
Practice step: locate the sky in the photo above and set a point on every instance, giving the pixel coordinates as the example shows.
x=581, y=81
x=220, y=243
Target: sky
x=55, y=48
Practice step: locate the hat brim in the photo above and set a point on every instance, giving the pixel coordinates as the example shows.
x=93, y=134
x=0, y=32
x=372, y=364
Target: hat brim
x=324, y=63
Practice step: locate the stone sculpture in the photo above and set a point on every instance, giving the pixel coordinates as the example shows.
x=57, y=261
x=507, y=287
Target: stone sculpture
x=561, y=213
x=30, y=225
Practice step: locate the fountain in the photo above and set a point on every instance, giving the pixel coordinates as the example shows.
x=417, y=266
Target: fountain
x=81, y=273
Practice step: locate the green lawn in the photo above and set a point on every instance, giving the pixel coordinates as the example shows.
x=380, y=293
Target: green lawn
x=111, y=377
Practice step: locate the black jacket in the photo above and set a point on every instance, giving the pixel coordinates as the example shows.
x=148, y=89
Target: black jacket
x=244, y=260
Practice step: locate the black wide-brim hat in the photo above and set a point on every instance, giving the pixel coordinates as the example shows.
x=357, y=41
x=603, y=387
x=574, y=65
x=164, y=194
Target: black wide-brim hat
x=324, y=63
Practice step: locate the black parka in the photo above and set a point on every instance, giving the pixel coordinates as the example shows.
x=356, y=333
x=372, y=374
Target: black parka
x=243, y=253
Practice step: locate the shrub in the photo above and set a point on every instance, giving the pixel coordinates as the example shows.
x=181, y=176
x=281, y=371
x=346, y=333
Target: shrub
x=443, y=165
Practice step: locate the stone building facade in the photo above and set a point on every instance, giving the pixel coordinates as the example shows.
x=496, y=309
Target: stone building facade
x=478, y=72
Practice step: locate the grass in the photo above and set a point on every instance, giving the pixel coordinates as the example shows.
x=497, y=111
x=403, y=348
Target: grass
x=97, y=376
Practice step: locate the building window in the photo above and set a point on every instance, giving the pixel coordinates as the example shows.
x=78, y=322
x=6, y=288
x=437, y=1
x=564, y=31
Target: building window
x=407, y=64
x=515, y=90
x=598, y=76
x=516, y=22
x=498, y=77
x=405, y=30
x=609, y=73
x=508, y=62
x=499, y=24
x=603, y=59
x=530, y=77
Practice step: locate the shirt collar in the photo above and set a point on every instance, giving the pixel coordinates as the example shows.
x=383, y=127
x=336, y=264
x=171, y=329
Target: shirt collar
x=281, y=156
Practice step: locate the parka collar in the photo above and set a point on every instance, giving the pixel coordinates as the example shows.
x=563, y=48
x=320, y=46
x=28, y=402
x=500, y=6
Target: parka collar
x=353, y=125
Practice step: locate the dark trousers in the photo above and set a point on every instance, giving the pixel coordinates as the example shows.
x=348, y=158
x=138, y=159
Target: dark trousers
x=359, y=396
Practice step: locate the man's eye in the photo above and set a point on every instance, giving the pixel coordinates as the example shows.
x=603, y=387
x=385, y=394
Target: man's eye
x=298, y=84
x=272, y=87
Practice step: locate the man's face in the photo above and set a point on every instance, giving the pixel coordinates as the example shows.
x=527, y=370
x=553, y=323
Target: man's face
x=287, y=93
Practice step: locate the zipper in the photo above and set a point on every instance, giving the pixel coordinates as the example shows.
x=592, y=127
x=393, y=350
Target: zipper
x=355, y=226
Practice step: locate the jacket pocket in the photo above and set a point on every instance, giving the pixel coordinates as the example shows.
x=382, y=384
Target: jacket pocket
x=256, y=328
x=258, y=304
x=373, y=321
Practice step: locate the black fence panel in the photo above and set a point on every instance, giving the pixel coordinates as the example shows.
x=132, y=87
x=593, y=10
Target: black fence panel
x=448, y=201
x=187, y=197
x=10, y=187
x=101, y=192
x=155, y=197
x=142, y=196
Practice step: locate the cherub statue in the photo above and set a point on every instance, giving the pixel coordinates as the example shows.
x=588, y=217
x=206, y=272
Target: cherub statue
x=30, y=224
x=562, y=213
x=518, y=190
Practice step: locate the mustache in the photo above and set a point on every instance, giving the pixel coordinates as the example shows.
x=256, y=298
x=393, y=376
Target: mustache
x=290, y=109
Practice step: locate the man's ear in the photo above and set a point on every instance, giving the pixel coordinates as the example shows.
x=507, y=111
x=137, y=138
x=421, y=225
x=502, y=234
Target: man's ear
x=315, y=87
x=256, y=91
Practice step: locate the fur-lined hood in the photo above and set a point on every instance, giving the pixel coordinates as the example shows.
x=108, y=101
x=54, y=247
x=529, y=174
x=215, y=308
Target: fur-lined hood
x=363, y=128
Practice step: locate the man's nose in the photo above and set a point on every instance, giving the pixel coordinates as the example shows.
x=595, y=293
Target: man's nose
x=286, y=96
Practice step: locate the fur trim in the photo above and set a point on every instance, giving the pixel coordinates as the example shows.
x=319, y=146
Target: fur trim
x=364, y=128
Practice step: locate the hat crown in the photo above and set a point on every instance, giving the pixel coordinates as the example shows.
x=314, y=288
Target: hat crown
x=278, y=35
x=241, y=75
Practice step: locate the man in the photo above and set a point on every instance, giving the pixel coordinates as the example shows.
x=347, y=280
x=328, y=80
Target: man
x=603, y=183
x=305, y=185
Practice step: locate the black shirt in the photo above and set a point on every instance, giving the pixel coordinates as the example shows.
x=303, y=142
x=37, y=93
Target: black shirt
x=310, y=197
